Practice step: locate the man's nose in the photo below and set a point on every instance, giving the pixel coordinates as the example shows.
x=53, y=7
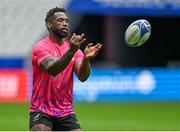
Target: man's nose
x=65, y=23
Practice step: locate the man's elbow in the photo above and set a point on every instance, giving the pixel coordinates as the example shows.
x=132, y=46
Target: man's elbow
x=83, y=79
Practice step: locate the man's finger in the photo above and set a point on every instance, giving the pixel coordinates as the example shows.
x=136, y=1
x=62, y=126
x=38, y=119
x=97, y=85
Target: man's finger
x=89, y=45
x=97, y=45
x=73, y=37
x=99, y=48
x=81, y=37
x=82, y=41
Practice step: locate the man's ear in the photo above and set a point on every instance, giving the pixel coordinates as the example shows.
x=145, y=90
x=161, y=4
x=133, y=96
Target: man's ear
x=48, y=25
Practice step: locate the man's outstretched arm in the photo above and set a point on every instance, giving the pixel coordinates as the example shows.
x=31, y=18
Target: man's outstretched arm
x=83, y=67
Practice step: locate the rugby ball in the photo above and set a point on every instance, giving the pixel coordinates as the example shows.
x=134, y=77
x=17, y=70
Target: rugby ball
x=138, y=33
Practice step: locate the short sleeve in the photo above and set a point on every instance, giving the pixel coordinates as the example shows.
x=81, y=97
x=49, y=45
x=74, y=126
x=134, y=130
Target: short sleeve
x=39, y=53
x=79, y=55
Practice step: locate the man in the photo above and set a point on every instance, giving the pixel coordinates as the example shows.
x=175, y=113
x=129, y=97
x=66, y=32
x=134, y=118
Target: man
x=54, y=60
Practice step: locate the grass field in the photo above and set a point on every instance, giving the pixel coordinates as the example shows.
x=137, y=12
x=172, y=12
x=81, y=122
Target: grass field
x=104, y=116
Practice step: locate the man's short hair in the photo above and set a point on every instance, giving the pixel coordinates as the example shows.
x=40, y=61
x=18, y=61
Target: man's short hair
x=52, y=11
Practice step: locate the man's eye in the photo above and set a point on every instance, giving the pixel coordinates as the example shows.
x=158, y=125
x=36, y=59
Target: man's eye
x=67, y=20
x=60, y=19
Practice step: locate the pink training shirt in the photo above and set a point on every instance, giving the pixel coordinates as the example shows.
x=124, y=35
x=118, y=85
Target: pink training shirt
x=52, y=94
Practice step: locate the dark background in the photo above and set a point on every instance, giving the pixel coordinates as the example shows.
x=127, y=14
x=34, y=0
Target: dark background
x=161, y=50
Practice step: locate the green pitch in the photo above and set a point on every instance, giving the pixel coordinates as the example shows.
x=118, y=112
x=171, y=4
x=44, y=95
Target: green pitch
x=104, y=116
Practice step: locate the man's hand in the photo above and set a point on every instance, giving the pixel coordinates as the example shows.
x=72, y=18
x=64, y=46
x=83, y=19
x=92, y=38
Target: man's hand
x=76, y=41
x=91, y=51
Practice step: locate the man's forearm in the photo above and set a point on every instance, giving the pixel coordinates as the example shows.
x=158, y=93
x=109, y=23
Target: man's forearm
x=84, y=70
x=61, y=63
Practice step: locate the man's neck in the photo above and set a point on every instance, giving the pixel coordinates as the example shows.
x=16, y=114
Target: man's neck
x=57, y=40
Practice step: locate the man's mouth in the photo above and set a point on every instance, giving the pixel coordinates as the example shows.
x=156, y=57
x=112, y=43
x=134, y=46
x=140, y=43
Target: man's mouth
x=65, y=29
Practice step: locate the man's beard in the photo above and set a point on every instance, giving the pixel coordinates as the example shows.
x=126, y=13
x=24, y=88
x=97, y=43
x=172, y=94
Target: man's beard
x=60, y=33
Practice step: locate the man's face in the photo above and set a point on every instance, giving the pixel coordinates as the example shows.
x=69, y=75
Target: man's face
x=60, y=25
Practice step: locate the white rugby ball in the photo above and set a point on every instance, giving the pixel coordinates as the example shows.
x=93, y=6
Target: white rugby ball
x=138, y=33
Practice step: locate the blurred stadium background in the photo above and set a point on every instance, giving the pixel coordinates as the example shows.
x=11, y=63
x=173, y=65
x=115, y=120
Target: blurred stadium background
x=129, y=88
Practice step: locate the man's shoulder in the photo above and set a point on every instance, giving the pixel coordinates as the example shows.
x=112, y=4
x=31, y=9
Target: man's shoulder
x=41, y=43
